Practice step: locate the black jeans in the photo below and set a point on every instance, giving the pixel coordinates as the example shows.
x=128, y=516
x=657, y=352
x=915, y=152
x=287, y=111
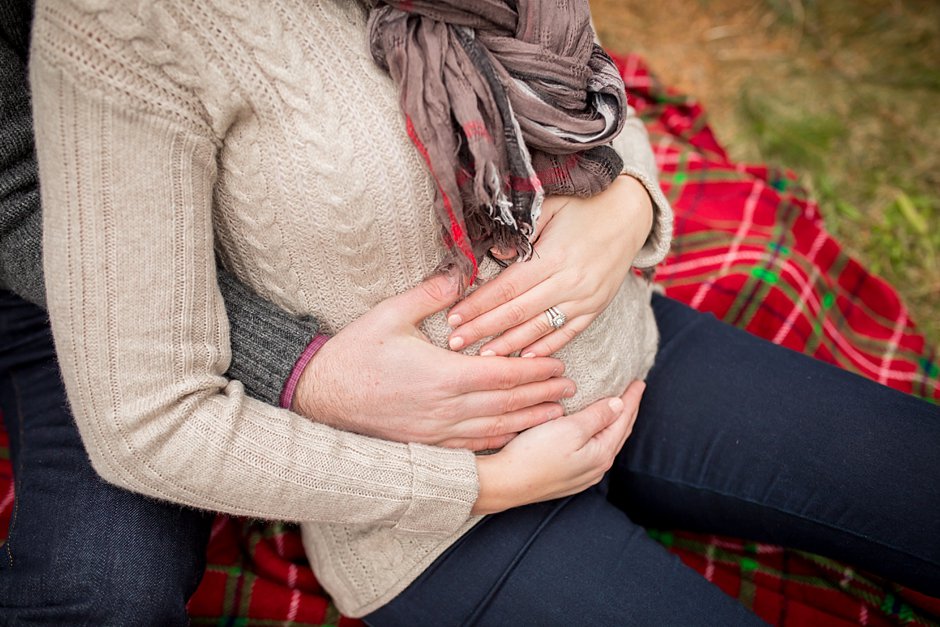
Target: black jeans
x=80, y=551
x=735, y=436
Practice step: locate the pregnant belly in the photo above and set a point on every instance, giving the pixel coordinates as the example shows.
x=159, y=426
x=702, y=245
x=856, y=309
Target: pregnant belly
x=617, y=348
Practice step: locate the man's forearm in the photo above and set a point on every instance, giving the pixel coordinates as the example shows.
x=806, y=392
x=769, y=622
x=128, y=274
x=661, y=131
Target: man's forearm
x=266, y=341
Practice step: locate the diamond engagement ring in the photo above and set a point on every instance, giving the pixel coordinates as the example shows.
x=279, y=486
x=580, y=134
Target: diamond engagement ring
x=555, y=317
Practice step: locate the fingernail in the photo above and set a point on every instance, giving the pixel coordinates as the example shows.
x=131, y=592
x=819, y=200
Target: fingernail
x=569, y=392
x=454, y=320
x=456, y=343
x=528, y=355
x=616, y=405
x=487, y=353
x=556, y=412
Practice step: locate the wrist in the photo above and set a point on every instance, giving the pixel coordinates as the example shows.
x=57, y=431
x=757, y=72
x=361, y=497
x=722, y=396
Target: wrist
x=298, y=386
x=492, y=494
x=636, y=201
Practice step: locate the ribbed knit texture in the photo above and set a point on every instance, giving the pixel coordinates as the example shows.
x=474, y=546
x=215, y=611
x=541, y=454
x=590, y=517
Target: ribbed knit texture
x=266, y=341
x=168, y=131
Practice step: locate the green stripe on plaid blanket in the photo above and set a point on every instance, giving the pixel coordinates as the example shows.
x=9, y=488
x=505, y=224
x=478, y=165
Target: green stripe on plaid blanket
x=744, y=557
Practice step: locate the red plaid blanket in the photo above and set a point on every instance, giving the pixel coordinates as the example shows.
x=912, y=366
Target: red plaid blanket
x=750, y=246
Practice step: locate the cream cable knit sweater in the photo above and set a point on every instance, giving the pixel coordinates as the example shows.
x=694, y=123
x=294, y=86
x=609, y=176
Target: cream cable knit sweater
x=170, y=131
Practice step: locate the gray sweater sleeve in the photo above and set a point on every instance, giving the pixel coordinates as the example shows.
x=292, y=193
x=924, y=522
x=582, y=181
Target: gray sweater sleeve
x=20, y=220
x=266, y=341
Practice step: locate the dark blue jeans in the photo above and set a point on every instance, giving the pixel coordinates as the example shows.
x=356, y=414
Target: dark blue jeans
x=80, y=551
x=735, y=436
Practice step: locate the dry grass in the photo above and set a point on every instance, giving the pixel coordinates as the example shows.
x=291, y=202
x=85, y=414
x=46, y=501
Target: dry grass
x=845, y=92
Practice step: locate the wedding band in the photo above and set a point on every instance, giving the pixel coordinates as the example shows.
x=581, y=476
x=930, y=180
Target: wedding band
x=555, y=317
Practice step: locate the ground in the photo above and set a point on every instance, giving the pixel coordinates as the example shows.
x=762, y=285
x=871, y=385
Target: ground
x=844, y=92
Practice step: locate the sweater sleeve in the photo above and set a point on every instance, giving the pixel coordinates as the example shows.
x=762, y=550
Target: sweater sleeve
x=266, y=341
x=633, y=146
x=142, y=333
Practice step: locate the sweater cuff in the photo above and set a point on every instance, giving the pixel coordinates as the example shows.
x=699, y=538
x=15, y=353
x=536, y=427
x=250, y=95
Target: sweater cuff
x=440, y=506
x=290, y=386
x=660, y=237
x=633, y=146
x=266, y=340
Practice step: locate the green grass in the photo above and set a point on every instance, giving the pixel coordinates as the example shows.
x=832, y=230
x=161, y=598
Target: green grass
x=844, y=92
x=854, y=110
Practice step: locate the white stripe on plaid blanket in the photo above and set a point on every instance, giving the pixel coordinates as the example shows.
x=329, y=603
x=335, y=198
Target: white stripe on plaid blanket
x=7, y=499
x=899, y=325
x=805, y=292
x=294, y=601
x=797, y=279
x=749, y=208
x=673, y=157
x=862, y=361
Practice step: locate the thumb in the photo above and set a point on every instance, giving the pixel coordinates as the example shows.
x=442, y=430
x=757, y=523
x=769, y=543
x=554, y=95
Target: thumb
x=426, y=298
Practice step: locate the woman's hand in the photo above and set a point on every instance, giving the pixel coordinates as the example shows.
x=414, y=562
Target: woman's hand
x=582, y=256
x=558, y=458
x=380, y=376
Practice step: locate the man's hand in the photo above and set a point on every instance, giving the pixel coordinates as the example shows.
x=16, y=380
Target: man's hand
x=380, y=376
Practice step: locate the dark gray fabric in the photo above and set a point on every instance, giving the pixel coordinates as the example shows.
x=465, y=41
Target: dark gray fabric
x=16, y=17
x=21, y=258
x=20, y=220
x=266, y=341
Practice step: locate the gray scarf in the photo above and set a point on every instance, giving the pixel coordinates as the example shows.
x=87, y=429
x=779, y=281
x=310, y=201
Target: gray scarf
x=506, y=101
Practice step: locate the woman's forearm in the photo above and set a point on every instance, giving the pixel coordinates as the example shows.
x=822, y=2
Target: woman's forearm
x=143, y=336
